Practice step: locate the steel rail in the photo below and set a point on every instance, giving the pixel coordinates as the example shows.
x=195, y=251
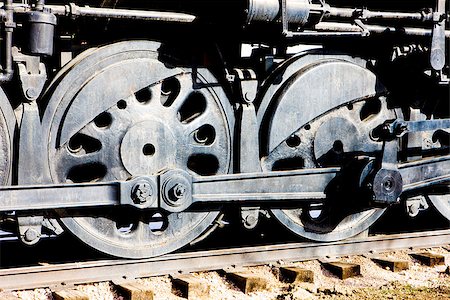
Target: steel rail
x=118, y=269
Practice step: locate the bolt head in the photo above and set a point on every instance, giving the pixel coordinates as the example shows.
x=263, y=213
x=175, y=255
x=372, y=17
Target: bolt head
x=141, y=192
x=250, y=220
x=388, y=184
x=31, y=93
x=179, y=190
x=31, y=235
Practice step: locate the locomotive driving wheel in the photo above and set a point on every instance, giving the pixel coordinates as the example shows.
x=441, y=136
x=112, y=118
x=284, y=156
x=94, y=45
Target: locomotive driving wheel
x=119, y=112
x=7, y=127
x=318, y=111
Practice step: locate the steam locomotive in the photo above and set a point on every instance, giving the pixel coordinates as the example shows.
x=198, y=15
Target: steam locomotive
x=134, y=124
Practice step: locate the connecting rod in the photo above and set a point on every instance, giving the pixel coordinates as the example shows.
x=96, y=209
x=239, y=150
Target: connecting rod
x=177, y=191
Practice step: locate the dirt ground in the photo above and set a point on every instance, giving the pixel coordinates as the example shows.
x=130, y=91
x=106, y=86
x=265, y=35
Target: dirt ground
x=375, y=282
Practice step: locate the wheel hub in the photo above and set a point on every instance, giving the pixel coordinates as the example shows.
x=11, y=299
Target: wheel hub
x=148, y=147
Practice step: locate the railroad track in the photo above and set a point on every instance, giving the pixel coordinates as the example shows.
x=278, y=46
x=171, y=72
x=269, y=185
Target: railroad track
x=51, y=275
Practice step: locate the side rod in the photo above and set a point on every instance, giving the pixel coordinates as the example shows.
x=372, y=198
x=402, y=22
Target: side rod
x=176, y=190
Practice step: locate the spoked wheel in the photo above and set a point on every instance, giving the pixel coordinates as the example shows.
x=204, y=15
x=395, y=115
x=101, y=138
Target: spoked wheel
x=441, y=203
x=440, y=195
x=319, y=111
x=119, y=112
x=7, y=127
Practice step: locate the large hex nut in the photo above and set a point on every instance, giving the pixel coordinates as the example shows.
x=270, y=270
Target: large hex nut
x=176, y=190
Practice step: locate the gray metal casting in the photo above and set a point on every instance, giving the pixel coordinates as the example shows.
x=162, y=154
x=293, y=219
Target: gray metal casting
x=41, y=34
x=331, y=92
x=139, y=125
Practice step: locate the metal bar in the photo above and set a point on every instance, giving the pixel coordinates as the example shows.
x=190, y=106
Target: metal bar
x=425, y=172
x=305, y=185
x=14, y=198
x=437, y=49
x=426, y=125
x=279, y=188
x=83, y=272
x=324, y=34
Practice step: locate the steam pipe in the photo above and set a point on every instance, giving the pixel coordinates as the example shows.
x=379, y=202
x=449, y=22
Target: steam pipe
x=336, y=27
x=349, y=13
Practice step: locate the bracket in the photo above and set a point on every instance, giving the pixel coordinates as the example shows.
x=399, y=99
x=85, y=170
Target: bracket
x=437, y=50
x=389, y=181
x=246, y=83
x=30, y=229
x=248, y=136
x=360, y=24
x=415, y=205
x=32, y=75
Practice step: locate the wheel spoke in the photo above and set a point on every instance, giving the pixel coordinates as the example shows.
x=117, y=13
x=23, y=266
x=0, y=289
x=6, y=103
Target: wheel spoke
x=71, y=160
x=205, y=149
x=184, y=91
x=206, y=118
x=94, y=131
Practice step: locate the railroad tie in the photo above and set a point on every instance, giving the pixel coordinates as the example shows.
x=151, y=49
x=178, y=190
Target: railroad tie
x=70, y=295
x=247, y=282
x=394, y=265
x=296, y=275
x=429, y=259
x=135, y=291
x=190, y=286
x=342, y=269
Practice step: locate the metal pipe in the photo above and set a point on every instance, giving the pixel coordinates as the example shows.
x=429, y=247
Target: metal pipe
x=73, y=10
x=327, y=11
x=7, y=72
x=347, y=28
x=349, y=13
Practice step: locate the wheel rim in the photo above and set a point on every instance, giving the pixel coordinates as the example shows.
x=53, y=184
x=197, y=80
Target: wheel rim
x=151, y=119
x=7, y=127
x=441, y=203
x=326, y=119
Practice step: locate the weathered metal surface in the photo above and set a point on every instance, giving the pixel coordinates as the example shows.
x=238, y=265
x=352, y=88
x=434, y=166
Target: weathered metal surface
x=7, y=129
x=138, y=124
x=176, y=190
x=322, y=99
